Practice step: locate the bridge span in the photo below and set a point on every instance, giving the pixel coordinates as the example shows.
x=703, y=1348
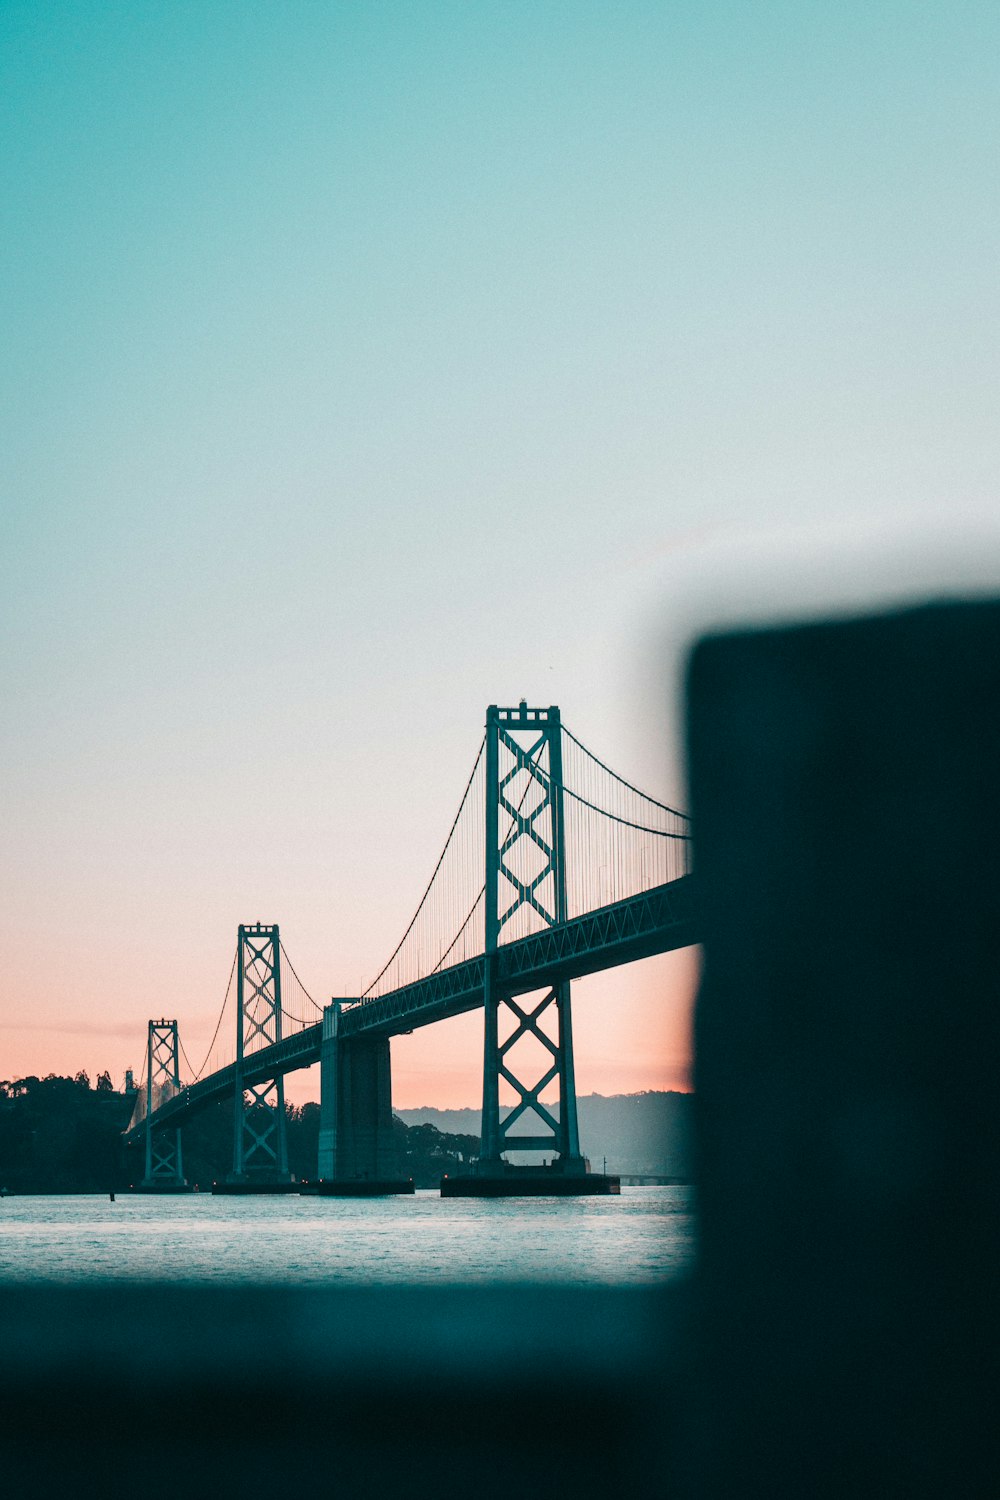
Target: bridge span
x=556, y=834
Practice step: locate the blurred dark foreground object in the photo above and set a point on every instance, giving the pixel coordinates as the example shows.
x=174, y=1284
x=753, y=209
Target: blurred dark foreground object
x=353, y=1391
x=845, y=782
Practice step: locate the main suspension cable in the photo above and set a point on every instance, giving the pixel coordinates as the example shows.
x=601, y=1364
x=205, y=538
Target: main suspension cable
x=180, y=1044
x=458, y=934
x=664, y=806
x=298, y=981
x=660, y=833
x=367, y=991
x=218, y=1023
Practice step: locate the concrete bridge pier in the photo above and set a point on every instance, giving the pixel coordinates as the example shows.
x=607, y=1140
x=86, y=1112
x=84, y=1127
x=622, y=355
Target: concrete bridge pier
x=358, y=1152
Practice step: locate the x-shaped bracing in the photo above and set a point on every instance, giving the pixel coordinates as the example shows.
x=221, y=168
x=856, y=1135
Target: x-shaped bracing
x=261, y=1138
x=523, y=826
x=163, y=1055
x=528, y=1097
x=259, y=1010
x=164, y=1158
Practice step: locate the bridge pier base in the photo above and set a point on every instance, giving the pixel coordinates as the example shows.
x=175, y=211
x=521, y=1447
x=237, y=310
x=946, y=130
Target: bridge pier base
x=504, y=1180
x=359, y=1153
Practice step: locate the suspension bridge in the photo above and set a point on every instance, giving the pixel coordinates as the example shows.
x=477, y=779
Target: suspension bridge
x=554, y=867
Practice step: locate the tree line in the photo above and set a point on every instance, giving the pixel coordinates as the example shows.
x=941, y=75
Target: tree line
x=61, y=1135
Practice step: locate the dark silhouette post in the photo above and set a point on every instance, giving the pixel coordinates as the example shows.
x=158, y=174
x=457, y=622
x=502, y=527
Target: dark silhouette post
x=846, y=815
x=329, y=1066
x=358, y=1150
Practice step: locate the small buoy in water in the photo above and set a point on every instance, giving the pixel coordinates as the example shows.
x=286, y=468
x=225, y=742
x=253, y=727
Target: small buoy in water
x=112, y=1197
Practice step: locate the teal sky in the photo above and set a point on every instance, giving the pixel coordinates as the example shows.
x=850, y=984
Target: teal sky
x=360, y=364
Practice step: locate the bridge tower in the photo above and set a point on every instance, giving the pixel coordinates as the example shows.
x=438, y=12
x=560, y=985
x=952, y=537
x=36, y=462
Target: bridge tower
x=525, y=892
x=260, y=1147
x=164, y=1165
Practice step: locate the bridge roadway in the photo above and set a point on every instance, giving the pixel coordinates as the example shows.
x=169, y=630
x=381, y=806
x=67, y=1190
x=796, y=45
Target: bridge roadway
x=656, y=921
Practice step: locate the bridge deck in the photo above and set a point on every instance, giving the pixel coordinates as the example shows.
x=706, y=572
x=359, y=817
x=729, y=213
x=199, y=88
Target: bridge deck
x=657, y=921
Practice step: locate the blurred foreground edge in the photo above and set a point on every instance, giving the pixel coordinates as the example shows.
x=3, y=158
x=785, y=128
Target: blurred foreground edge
x=425, y=1391
x=845, y=784
x=841, y=1339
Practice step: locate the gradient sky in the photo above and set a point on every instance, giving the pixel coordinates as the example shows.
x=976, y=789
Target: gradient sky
x=364, y=364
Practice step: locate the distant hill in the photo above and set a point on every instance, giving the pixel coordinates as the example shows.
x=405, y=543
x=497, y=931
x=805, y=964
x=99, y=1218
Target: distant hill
x=640, y=1134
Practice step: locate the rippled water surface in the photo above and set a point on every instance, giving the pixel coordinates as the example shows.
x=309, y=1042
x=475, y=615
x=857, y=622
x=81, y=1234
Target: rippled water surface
x=645, y=1236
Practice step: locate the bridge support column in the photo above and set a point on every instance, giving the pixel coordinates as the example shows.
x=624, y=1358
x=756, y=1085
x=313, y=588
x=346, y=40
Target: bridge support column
x=569, y=1129
x=489, y=1143
x=359, y=1152
x=260, y=1147
x=525, y=893
x=329, y=1066
x=164, y=1163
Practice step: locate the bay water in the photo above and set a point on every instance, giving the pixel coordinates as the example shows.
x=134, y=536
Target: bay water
x=644, y=1237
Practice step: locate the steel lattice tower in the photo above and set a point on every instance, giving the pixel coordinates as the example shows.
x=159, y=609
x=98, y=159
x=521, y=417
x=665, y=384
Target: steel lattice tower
x=526, y=887
x=164, y=1166
x=260, y=1147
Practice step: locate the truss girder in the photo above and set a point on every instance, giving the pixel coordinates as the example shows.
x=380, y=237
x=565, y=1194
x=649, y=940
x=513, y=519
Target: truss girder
x=653, y=922
x=657, y=921
x=449, y=992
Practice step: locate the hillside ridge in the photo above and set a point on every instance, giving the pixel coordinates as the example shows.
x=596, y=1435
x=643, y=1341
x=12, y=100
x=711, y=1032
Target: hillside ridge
x=644, y=1133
